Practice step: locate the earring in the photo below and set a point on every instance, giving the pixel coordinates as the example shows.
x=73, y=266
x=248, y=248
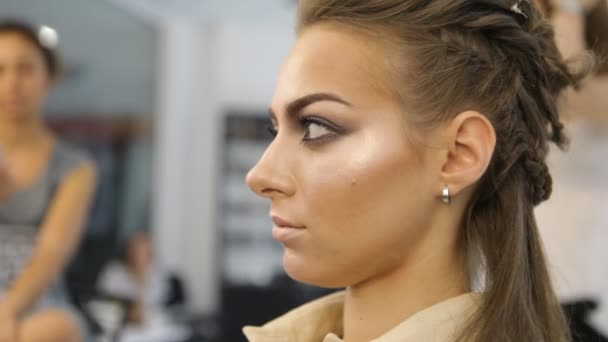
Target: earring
x=445, y=195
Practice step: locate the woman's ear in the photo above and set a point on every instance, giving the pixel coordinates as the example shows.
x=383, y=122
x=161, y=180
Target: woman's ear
x=471, y=140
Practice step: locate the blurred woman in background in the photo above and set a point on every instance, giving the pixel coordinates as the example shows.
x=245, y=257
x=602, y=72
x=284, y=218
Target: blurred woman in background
x=45, y=190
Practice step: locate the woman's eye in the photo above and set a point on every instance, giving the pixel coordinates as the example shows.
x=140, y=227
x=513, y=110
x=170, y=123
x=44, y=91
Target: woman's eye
x=319, y=130
x=272, y=130
x=316, y=131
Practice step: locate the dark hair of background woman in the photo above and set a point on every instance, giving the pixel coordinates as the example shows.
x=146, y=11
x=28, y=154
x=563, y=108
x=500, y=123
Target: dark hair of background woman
x=27, y=31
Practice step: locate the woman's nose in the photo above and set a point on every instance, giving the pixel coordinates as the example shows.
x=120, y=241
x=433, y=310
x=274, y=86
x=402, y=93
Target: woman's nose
x=270, y=177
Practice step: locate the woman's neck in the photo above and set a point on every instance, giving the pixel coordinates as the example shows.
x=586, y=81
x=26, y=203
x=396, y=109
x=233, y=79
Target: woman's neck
x=15, y=134
x=375, y=306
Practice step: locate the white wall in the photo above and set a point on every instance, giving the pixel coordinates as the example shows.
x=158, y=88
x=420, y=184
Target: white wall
x=250, y=59
x=206, y=69
x=187, y=137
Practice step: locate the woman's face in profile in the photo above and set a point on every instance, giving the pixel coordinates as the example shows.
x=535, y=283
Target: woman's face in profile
x=350, y=193
x=24, y=80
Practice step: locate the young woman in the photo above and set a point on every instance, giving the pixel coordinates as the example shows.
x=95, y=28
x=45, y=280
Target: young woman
x=409, y=154
x=45, y=190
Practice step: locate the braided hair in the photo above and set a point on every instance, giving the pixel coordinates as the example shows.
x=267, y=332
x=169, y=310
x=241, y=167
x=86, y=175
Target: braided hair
x=497, y=57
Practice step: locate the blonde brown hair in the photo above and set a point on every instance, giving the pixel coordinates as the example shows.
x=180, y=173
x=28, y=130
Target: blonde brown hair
x=454, y=55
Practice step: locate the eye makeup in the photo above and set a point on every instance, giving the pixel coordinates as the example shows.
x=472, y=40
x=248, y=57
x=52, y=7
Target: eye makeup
x=319, y=130
x=316, y=129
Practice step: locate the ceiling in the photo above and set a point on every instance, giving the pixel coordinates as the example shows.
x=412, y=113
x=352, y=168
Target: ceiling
x=242, y=11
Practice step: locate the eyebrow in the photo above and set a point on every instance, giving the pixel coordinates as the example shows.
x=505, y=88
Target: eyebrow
x=297, y=105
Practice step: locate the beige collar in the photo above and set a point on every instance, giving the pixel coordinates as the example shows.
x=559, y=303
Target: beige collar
x=321, y=321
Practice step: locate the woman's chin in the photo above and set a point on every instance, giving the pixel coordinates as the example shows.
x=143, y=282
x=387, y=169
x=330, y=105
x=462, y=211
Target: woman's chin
x=306, y=271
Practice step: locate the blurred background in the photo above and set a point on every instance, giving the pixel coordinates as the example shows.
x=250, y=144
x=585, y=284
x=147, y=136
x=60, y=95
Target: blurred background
x=170, y=99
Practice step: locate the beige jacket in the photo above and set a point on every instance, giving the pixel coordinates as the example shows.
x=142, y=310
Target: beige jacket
x=321, y=321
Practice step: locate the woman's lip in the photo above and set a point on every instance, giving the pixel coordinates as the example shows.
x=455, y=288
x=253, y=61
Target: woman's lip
x=285, y=234
x=282, y=223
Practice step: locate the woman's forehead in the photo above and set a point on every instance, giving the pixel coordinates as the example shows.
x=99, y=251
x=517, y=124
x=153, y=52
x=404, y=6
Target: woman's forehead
x=329, y=59
x=18, y=44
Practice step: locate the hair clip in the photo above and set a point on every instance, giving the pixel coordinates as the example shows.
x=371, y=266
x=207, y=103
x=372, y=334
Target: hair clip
x=48, y=37
x=515, y=8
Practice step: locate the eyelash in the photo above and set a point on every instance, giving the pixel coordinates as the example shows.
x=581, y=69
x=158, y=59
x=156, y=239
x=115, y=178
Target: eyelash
x=271, y=130
x=304, y=123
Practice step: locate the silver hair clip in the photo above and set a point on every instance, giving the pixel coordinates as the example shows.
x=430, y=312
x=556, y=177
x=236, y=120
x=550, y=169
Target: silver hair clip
x=515, y=8
x=48, y=37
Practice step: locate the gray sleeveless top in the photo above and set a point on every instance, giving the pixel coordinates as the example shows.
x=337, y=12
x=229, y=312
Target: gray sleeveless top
x=23, y=212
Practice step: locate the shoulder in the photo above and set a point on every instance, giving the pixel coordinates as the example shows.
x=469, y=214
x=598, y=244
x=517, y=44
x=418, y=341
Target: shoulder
x=71, y=154
x=68, y=159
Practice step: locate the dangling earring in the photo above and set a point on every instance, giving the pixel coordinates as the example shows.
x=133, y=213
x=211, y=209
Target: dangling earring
x=445, y=195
